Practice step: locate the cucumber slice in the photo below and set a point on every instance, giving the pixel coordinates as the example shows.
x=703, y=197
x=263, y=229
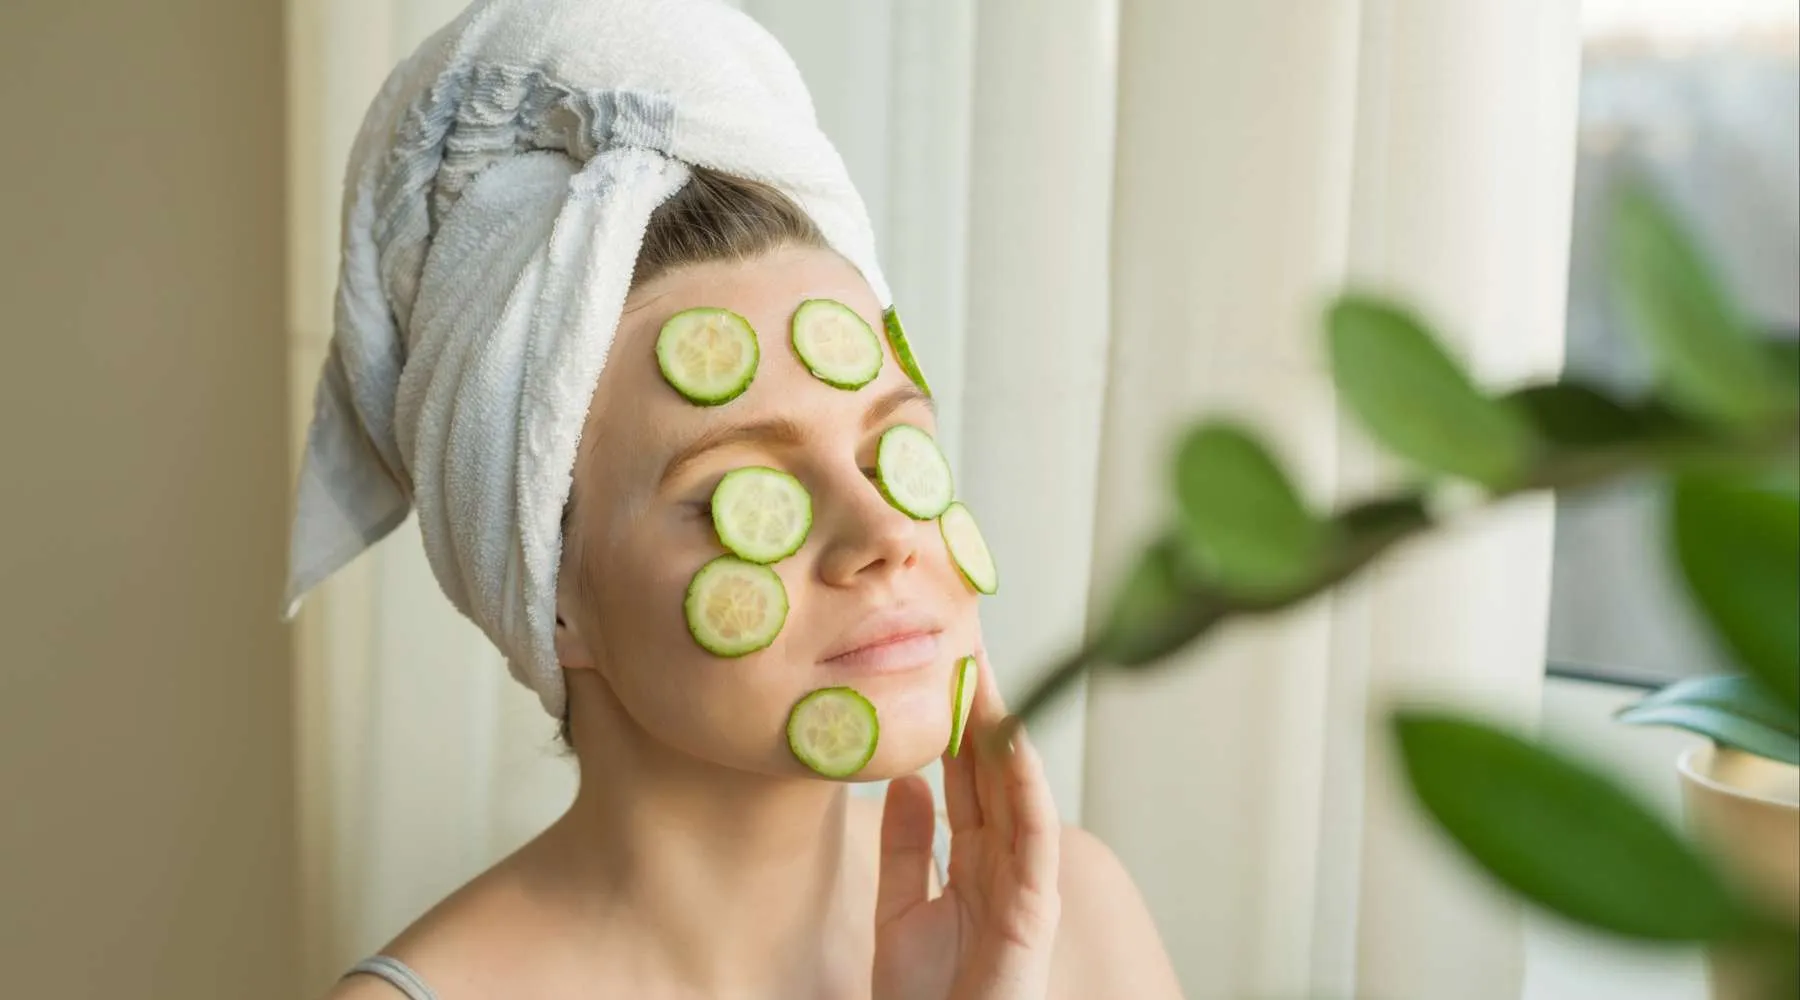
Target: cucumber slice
x=708, y=355
x=968, y=550
x=735, y=607
x=835, y=344
x=896, y=335
x=962, y=701
x=762, y=515
x=834, y=731
x=912, y=472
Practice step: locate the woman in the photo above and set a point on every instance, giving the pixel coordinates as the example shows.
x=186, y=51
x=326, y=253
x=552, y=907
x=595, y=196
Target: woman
x=701, y=857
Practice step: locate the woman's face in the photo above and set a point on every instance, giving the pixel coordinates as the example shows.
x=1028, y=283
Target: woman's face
x=874, y=600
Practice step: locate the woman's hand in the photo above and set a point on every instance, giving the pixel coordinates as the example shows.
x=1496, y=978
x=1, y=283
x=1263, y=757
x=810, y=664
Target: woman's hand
x=989, y=935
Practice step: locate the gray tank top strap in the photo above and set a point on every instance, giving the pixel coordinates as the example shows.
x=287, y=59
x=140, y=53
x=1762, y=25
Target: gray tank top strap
x=395, y=973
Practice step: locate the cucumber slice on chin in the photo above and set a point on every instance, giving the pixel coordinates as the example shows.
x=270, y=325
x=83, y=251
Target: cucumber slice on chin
x=962, y=701
x=834, y=731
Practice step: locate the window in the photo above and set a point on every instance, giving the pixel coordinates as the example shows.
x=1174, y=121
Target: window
x=1704, y=98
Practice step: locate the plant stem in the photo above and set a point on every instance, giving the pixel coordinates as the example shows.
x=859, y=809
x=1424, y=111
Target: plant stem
x=1373, y=528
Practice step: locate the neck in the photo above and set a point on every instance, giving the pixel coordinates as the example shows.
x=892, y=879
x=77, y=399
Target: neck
x=732, y=883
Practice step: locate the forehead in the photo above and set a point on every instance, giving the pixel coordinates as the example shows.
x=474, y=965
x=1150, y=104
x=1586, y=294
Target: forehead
x=641, y=421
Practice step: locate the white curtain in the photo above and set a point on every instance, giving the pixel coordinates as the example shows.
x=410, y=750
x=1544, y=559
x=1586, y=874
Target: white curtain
x=1100, y=218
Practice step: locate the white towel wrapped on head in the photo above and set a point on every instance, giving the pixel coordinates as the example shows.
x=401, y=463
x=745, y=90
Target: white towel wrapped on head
x=494, y=207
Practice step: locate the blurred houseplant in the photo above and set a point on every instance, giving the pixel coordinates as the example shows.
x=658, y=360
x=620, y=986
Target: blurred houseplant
x=1721, y=429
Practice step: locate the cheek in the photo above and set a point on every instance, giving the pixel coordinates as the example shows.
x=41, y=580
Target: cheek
x=733, y=711
x=727, y=710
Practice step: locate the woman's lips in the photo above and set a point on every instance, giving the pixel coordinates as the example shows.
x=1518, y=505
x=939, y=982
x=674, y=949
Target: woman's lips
x=889, y=655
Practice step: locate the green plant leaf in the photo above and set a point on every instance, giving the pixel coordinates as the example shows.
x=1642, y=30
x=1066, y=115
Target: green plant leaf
x=1709, y=362
x=1738, y=546
x=1784, y=357
x=1241, y=513
x=1744, y=697
x=1159, y=607
x=1561, y=835
x=1721, y=727
x=1392, y=373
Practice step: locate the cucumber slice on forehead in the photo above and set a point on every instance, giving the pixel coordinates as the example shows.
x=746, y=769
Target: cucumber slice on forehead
x=762, y=515
x=968, y=549
x=708, y=355
x=834, y=731
x=962, y=701
x=735, y=607
x=896, y=335
x=912, y=472
x=835, y=344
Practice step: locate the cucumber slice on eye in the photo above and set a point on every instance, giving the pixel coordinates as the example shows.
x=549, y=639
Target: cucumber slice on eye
x=962, y=701
x=896, y=334
x=708, y=355
x=735, y=607
x=968, y=550
x=835, y=344
x=912, y=472
x=834, y=731
x=762, y=515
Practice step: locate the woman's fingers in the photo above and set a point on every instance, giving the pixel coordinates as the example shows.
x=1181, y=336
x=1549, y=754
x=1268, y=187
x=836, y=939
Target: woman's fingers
x=906, y=831
x=989, y=753
x=962, y=802
x=1037, y=829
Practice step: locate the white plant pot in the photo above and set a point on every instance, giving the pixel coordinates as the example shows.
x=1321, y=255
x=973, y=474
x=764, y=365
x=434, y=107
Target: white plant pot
x=1746, y=810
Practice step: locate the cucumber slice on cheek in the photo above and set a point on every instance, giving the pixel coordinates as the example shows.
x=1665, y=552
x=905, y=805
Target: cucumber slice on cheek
x=834, y=731
x=968, y=549
x=762, y=515
x=835, y=344
x=962, y=702
x=912, y=473
x=708, y=355
x=734, y=607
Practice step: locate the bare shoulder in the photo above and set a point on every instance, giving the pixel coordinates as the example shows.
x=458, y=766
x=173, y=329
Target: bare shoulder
x=1107, y=945
x=490, y=931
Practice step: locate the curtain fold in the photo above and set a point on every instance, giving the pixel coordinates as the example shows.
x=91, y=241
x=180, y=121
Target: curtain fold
x=1035, y=343
x=1100, y=218
x=1267, y=155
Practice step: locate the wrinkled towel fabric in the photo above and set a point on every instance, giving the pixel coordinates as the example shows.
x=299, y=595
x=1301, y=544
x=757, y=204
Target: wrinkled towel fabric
x=494, y=206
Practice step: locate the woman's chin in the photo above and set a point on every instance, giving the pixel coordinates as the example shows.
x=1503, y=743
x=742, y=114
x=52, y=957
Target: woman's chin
x=906, y=752
x=899, y=755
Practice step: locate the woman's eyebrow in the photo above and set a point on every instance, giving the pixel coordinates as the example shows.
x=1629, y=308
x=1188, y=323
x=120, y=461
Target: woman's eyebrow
x=774, y=431
x=894, y=399
x=783, y=431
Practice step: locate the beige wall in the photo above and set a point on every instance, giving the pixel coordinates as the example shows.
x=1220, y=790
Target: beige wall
x=145, y=762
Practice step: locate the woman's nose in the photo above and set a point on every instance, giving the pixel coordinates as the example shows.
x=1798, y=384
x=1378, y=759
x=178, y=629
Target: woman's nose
x=865, y=535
